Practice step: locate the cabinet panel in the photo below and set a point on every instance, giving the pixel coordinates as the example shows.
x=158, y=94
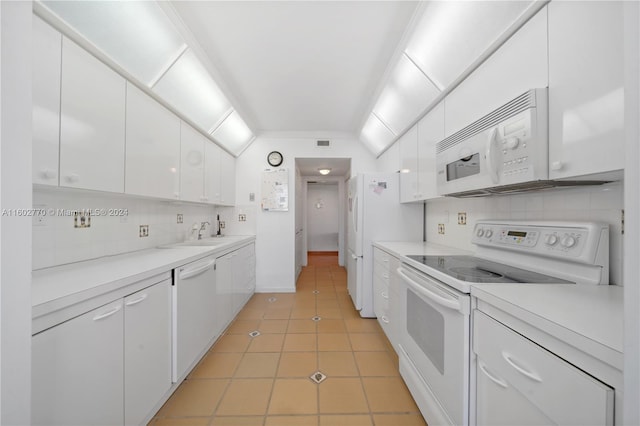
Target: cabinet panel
x=227, y=179
x=153, y=147
x=430, y=132
x=212, y=158
x=518, y=65
x=192, y=162
x=77, y=370
x=224, y=289
x=47, y=57
x=586, y=88
x=409, y=165
x=147, y=350
x=91, y=123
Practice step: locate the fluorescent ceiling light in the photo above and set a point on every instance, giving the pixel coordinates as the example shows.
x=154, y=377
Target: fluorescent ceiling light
x=444, y=53
x=324, y=171
x=188, y=86
x=137, y=35
x=233, y=133
x=375, y=135
x=407, y=93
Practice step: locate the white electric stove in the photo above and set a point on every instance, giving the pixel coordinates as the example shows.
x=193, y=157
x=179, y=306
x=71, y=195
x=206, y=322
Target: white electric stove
x=434, y=292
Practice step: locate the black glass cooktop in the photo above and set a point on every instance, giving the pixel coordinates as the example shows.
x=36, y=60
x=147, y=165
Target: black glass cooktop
x=476, y=270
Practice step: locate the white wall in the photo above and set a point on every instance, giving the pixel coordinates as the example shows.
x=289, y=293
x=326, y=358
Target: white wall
x=58, y=242
x=323, y=217
x=389, y=161
x=632, y=217
x=593, y=203
x=15, y=193
x=275, y=241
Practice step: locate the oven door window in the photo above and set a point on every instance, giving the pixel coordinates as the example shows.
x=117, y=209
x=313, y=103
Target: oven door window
x=467, y=166
x=425, y=325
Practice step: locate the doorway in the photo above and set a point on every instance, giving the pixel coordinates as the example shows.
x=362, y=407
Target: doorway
x=320, y=208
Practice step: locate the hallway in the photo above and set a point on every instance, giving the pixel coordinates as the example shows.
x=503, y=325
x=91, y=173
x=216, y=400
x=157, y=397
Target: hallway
x=266, y=380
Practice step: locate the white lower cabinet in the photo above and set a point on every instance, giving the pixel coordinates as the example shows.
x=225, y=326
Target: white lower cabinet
x=520, y=382
x=147, y=350
x=78, y=370
x=108, y=366
x=236, y=279
x=384, y=267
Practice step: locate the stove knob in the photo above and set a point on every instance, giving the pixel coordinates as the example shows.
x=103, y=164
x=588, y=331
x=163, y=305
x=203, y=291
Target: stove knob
x=480, y=232
x=551, y=239
x=489, y=233
x=568, y=241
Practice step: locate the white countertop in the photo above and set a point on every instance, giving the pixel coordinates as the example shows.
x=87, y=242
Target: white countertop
x=62, y=286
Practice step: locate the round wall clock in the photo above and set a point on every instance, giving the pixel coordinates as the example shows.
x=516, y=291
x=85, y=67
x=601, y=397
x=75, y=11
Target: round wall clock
x=274, y=158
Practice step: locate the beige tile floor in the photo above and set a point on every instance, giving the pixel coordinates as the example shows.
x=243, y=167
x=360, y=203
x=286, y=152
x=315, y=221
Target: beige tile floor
x=265, y=380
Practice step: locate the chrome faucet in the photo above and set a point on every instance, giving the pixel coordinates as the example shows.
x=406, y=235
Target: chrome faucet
x=203, y=226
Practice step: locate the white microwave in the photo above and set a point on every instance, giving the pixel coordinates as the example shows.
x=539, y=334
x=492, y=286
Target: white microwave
x=505, y=151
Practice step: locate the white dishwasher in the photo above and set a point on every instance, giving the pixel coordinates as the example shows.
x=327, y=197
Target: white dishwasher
x=195, y=325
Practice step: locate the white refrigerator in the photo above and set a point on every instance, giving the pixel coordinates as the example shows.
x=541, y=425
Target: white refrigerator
x=375, y=214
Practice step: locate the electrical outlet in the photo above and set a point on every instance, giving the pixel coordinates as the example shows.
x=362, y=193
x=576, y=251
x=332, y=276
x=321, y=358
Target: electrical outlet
x=221, y=224
x=242, y=218
x=441, y=228
x=40, y=215
x=180, y=218
x=462, y=218
x=144, y=231
x=81, y=219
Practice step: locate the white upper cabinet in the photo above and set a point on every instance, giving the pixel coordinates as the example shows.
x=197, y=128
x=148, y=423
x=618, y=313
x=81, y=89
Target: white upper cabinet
x=518, y=65
x=91, y=122
x=153, y=147
x=430, y=132
x=418, y=157
x=47, y=50
x=227, y=179
x=219, y=176
x=409, y=165
x=407, y=94
x=586, y=88
x=212, y=157
x=192, y=164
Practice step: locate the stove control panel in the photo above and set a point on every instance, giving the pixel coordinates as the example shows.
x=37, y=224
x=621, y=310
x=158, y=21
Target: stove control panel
x=555, y=241
x=563, y=249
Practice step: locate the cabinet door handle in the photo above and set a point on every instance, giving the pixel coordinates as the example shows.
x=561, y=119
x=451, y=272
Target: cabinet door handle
x=72, y=178
x=136, y=301
x=385, y=319
x=509, y=358
x=107, y=314
x=384, y=294
x=493, y=378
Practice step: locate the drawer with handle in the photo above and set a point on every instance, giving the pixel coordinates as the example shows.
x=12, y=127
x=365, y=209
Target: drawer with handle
x=564, y=393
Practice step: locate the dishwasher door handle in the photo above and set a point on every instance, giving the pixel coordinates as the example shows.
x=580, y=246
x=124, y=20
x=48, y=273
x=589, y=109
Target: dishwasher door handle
x=190, y=273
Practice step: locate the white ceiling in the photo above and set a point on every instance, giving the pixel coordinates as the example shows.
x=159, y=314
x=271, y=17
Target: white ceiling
x=299, y=65
x=310, y=166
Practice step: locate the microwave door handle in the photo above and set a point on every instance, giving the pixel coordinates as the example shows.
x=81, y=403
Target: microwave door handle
x=451, y=303
x=492, y=152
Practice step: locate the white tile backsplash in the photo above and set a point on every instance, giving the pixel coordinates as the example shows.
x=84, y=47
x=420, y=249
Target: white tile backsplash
x=58, y=242
x=602, y=203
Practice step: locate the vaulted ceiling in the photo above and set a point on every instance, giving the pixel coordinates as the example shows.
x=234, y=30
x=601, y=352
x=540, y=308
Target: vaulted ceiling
x=299, y=65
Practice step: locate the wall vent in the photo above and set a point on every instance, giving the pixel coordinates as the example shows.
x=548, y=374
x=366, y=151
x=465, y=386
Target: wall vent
x=323, y=144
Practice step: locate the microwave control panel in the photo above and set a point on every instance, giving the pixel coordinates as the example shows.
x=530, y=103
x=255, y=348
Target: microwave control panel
x=514, y=143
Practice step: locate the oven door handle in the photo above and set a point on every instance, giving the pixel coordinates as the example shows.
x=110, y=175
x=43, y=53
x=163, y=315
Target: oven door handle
x=451, y=303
